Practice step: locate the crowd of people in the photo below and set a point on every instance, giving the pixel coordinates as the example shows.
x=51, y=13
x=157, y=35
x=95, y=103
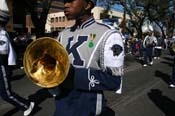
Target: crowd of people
x=148, y=47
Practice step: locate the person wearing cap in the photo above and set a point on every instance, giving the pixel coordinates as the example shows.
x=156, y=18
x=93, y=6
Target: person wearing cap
x=96, y=54
x=8, y=59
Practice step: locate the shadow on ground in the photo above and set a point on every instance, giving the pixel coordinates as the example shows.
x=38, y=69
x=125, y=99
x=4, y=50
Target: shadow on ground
x=163, y=76
x=108, y=112
x=164, y=103
x=37, y=97
x=17, y=77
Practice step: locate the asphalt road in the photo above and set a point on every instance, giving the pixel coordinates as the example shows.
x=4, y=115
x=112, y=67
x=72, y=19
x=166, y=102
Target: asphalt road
x=145, y=92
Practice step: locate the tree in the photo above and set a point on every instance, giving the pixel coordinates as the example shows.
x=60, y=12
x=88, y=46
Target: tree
x=129, y=8
x=38, y=21
x=157, y=11
x=108, y=4
x=161, y=13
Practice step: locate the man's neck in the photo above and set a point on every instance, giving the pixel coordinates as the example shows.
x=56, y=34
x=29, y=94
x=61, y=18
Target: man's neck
x=82, y=20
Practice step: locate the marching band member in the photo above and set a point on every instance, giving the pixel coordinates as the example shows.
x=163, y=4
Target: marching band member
x=172, y=80
x=7, y=59
x=148, y=43
x=96, y=54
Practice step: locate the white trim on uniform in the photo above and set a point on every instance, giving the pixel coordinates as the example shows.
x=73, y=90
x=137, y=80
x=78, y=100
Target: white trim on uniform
x=90, y=59
x=99, y=104
x=7, y=88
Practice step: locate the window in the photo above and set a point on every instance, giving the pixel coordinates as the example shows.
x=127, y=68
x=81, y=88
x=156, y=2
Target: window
x=63, y=18
x=56, y=19
x=52, y=29
x=52, y=20
x=57, y=28
x=59, y=19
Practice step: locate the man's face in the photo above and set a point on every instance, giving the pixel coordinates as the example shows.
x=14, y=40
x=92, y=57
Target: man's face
x=149, y=33
x=74, y=9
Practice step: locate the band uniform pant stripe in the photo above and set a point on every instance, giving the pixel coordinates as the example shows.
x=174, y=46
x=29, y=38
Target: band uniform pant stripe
x=10, y=96
x=99, y=104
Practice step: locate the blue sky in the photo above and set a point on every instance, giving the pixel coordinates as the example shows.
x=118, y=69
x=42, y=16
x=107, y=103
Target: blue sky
x=115, y=7
x=118, y=8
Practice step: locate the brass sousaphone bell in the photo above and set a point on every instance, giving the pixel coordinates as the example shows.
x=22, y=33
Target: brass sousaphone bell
x=46, y=62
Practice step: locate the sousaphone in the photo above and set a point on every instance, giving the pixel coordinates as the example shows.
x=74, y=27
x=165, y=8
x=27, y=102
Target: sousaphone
x=46, y=62
x=147, y=26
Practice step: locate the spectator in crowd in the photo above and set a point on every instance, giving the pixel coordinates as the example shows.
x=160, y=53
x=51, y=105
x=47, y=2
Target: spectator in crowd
x=134, y=44
x=172, y=82
x=141, y=48
x=166, y=42
x=159, y=46
x=128, y=45
x=171, y=42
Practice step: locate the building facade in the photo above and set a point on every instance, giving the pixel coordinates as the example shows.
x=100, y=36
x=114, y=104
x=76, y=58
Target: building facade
x=57, y=21
x=20, y=17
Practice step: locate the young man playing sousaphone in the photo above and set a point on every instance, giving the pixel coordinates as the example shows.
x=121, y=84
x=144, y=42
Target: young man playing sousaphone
x=96, y=54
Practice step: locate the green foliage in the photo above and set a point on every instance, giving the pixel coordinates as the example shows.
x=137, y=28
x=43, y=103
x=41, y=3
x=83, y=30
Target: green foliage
x=155, y=10
x=38, y=21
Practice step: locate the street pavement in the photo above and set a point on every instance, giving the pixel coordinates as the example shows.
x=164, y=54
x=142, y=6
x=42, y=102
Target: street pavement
x=140, y=97
x=146, y=91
